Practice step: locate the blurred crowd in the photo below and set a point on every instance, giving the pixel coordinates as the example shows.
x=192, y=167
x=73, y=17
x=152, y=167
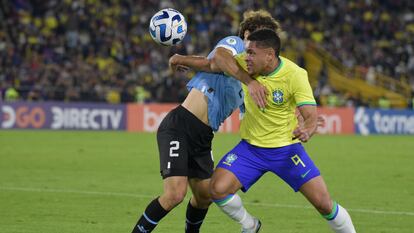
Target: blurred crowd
x=101, y=51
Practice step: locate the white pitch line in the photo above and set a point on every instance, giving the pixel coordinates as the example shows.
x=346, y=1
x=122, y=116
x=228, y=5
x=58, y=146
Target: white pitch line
x=273, y=205
x=46, y=190
x=385, y=212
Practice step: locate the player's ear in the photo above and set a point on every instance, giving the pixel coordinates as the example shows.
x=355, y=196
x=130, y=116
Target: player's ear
x=270, y=54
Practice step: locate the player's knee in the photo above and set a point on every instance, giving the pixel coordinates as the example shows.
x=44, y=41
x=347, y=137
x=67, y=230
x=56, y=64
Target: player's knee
x=324, y=204
x=219, y=190
x=175, y=198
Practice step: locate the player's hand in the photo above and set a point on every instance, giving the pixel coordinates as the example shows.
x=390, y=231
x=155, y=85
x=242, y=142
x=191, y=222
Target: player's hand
x=175, y=65
x=301, y=134
x=258, y=92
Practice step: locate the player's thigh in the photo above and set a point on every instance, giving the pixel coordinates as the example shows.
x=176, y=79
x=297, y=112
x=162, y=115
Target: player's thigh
x=173, y=153
x=239, y=168
x=200, y=159
x=200, y=164
x=294, y=166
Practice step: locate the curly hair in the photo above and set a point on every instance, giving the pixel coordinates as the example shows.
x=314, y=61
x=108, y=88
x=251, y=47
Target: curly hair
x=253, y=20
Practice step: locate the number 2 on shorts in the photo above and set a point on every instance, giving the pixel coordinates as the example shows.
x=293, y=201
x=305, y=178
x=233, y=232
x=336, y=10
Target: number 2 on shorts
x=175, y=145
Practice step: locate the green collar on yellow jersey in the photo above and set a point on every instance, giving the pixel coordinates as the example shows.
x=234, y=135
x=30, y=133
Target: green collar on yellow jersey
x=277, y=68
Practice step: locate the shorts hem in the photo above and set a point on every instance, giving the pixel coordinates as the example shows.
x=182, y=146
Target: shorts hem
x=173, y=173
x=296, y=189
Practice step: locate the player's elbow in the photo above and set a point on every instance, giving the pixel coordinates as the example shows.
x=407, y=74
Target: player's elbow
x=215, y=63
x=223, y=61
x=205, y=65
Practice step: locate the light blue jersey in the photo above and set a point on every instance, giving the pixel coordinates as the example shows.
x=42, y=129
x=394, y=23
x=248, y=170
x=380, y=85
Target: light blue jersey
x=224, y=93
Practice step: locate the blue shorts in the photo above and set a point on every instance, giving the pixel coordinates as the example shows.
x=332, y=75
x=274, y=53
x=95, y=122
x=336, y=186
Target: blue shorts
x=249, y=163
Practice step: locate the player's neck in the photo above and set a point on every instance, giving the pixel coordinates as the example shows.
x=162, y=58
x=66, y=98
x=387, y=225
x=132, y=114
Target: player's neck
x=273, y=67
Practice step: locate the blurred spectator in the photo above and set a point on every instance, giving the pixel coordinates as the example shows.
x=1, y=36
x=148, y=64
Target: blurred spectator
x=323, y=76
x=411, y=102
x=11, y=94
x=370, y=76
x=113, y=97
x=384, y=102
x=335, y=100
x=100, y=50
x=142, y=95
x=350, y=100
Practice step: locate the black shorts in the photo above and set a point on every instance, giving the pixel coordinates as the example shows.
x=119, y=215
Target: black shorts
x=184, y=144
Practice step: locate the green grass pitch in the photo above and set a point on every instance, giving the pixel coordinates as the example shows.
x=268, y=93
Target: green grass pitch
x=90, y=182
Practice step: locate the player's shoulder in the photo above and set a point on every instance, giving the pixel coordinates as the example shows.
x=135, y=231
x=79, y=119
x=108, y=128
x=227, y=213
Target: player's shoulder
x=292, y=69
x=233, y=43
x=290, y=65
x=231, y=40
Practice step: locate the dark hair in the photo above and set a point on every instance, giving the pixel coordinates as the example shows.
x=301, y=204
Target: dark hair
x=266, y=38
x=253, y=20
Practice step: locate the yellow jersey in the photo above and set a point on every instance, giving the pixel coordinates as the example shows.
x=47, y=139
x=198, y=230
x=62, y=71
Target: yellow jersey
x=288, y=88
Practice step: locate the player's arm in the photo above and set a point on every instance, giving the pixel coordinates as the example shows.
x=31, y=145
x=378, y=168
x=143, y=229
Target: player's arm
x=182, y=63
x=306, y=105
x=308, y=127
x=223, y=61
x=320, y=122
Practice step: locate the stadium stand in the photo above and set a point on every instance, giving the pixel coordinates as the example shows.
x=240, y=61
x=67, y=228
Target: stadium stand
x=100, y=50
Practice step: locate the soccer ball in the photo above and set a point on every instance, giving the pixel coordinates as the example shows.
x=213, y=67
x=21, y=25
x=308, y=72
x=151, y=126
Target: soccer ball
x=168, y=27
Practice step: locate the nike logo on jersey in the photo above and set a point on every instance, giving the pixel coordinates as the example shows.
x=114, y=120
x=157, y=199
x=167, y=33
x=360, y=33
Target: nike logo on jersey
x=305, y=174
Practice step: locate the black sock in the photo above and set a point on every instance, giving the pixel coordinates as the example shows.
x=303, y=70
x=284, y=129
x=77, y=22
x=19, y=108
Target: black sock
x=150, y=218
x=195, y=218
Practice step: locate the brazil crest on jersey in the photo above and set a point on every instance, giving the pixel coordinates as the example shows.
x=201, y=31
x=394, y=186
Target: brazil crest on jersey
x=288, y=88
x=224, y=93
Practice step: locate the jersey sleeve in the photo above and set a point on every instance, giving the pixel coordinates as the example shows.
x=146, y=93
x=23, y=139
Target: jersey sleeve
x=302, y=90
x=233, y=43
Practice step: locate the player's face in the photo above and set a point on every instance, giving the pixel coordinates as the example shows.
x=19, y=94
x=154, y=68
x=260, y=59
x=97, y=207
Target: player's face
x=257, y=59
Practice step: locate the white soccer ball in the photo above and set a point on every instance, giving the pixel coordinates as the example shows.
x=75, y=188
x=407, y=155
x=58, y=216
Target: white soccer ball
x=168, y=27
